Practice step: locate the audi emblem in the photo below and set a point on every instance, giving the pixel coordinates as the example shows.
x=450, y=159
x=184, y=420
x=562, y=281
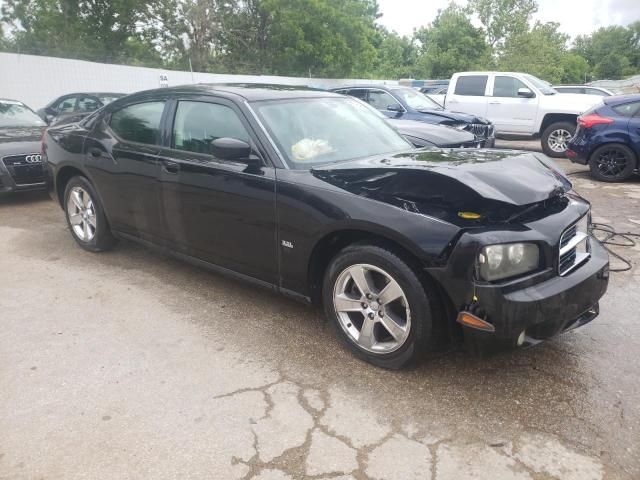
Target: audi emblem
x=33, y=159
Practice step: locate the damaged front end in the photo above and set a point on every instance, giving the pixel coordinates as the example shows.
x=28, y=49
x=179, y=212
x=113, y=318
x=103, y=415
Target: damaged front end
x=523, y=266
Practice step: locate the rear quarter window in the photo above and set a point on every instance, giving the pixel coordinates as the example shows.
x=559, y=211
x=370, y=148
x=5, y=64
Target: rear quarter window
x=471, y=85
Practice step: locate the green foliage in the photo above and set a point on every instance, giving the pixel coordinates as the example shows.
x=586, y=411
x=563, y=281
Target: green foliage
x=450, y=44
x=539, y=51
x=317, y=38
x=503, y=19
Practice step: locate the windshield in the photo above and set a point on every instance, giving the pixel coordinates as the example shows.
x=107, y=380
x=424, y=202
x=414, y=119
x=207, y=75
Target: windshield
x=416, y=100
x=544, y=88
x=15, y=114
x=316, y=131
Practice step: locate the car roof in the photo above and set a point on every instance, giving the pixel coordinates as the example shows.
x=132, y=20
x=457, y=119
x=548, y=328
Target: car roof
x=249, y=91
x=620, y=99
x=381, y=87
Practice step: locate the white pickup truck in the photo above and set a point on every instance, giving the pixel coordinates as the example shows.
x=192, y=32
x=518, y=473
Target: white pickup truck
x=519, y=104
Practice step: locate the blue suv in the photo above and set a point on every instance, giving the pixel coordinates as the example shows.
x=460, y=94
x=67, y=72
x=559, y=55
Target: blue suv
x=608, y=139
x=407, y=103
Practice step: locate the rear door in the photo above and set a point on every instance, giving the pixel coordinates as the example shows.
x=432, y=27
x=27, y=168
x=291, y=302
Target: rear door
x=508, y=111
x=121, y=153
x=218, y=210
x=469, y=95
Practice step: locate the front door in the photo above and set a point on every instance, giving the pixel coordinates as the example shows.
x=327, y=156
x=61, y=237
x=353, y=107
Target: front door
x=508, y=111
x=218, y=210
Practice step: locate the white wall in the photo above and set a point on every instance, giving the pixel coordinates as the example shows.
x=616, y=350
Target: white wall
x=37, y=80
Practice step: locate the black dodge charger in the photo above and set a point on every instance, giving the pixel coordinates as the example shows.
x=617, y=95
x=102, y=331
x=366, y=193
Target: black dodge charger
x=20, y=160
x=310, y=194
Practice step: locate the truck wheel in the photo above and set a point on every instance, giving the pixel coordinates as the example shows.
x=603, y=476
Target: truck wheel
x=85, y=216
x=555, y=138
x=378, y=306
x=612, y=163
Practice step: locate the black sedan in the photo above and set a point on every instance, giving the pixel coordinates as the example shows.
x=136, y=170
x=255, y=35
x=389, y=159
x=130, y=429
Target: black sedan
x=406, y=103
x=309, y=194
x=20, y=160
x=76, y=105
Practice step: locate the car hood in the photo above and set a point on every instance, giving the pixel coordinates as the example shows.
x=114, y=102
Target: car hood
x=15, y=141
x=448, y=117
x=438, y=134
x=496, y=184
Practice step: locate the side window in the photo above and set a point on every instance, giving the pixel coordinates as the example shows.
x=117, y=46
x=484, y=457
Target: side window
x=67, y=105
x=380, y=99
x=197, y=124
x=138, y=123
x=595, y=91
x=507, y=87
x=627, y=109
x=471, y=85
x=87, y=104
x=360, y=93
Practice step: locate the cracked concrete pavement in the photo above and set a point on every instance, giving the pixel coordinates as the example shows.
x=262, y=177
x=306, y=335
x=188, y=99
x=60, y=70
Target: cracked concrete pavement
x=129, y=364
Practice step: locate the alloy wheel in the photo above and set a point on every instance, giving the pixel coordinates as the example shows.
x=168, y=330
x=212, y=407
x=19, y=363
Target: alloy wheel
x=82, y=214
x=372, y=308
x=611, y=162
x=559, y=139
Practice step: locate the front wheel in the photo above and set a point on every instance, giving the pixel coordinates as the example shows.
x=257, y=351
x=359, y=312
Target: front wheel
x=555, y=138
x=85, y=216
x=612, y=163
x=378, y=306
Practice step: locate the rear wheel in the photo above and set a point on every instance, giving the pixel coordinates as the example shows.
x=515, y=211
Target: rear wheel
x=555, y=138
x=378, y=306
x=612, y=163
x=85, y=216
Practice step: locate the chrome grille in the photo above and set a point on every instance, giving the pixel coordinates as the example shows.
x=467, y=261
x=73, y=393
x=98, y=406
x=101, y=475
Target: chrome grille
x=480, y=130
x=574, y=246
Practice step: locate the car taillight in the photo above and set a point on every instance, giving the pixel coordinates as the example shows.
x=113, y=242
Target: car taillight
x=592, y=119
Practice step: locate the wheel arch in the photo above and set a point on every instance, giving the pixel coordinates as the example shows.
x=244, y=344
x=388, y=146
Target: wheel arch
x=327, y=247
x=63, y=176
x=551, y=118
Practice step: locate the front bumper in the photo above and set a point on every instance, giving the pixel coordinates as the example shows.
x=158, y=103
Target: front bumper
x=542, y=310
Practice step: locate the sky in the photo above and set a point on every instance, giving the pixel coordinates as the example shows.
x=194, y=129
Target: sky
x=576, y=17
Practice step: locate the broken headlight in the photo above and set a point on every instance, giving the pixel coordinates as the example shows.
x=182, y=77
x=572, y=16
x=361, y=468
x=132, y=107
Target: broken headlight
x=496, y=262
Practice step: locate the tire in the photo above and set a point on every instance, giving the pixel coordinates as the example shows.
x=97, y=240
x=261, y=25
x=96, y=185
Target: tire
x=412, y=329
x=613, y=162
x=85, y=216
x=552, y=137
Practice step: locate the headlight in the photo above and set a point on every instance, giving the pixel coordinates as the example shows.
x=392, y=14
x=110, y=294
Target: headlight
x=496, y=262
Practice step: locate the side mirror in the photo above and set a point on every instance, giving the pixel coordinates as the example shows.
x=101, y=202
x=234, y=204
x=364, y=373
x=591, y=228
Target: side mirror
x=395, y=107
x=227, y=148
x=525, y=93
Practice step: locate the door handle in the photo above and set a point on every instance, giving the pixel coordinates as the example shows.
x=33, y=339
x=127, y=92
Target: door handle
x=494, y=103
x=170, y=167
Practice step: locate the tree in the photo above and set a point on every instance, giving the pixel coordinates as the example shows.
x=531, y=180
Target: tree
x=503, y=19
x=88, y=29
x=450, y=44
x=575, y=69
x=396, y=56
x=611, y=67
x=539, y=52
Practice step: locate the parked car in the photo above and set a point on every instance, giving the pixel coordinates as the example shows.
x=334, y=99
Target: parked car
x=76, y=104
x=608, y=139
x=520, y=104
x=406, y=103
x=583, y=89
x=433, y=86
x=20, y=160
x=422, y=134
x=310, y=194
